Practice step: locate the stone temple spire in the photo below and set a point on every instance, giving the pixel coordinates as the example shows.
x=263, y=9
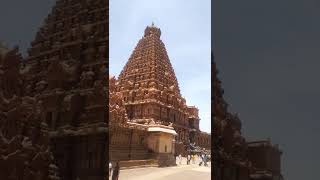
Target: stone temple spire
x=149, y=64
x=152, y=31
x=148, y=82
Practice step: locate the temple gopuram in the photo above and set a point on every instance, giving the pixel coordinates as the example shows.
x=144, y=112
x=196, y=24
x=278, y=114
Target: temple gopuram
x=234, y=157
x=157, y=123
x=53, y=117
x=24, y=144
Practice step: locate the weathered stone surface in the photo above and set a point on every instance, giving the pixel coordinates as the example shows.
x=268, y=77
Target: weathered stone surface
x=68, y=62
x=24, y=143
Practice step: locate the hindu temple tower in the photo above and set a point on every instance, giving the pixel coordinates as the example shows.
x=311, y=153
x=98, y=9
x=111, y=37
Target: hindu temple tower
x=151, y=92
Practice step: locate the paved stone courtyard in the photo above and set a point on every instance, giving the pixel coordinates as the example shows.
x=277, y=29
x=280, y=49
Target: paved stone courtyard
x=183, y=171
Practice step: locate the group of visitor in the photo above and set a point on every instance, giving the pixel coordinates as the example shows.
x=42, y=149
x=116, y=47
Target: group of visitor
x=191, y=158
x=204, y=159
x=114, y=171
x=180, y=159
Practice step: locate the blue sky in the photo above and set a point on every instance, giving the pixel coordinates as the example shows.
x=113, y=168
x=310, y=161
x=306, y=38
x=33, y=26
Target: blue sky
x=186, y=32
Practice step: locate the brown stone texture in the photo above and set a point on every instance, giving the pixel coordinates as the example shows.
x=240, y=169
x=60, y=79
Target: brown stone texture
x=66, y=69
x=24, y=142
x=239, y=159
x=64, y=74
x=127, y=140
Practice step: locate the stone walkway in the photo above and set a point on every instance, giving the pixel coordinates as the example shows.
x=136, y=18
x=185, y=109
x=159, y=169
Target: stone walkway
x=183, y=171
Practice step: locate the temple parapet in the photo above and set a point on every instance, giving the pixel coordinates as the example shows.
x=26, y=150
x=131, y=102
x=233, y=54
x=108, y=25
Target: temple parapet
x=266, y=159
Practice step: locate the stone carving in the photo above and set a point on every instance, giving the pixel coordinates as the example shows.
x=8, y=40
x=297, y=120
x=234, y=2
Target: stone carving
x=87, y=78
x=117, y=112
x=24, y=148
x=56, y=75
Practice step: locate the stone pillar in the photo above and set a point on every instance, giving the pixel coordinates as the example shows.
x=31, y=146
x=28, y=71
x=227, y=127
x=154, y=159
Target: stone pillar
x=173, y=146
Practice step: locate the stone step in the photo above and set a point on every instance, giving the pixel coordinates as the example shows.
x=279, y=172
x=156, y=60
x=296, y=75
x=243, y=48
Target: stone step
x=141, y=166
x=133, y=154
x=131, y=164
x=127, y=148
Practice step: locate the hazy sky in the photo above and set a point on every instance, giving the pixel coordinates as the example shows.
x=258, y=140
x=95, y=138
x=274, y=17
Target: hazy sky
x=268, y=55
x=186, y=32
x=20, y=20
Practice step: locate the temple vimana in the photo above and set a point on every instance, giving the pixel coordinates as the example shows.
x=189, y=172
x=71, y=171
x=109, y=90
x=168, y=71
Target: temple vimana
x=153, y=121
x=60, y=118
x=234, y=157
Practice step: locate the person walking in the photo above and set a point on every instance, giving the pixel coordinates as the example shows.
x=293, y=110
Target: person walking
x=188, y=159
x=116, y=172
x=201, y=160
x=110, y=168
x=193, y=159
x=205, y=159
